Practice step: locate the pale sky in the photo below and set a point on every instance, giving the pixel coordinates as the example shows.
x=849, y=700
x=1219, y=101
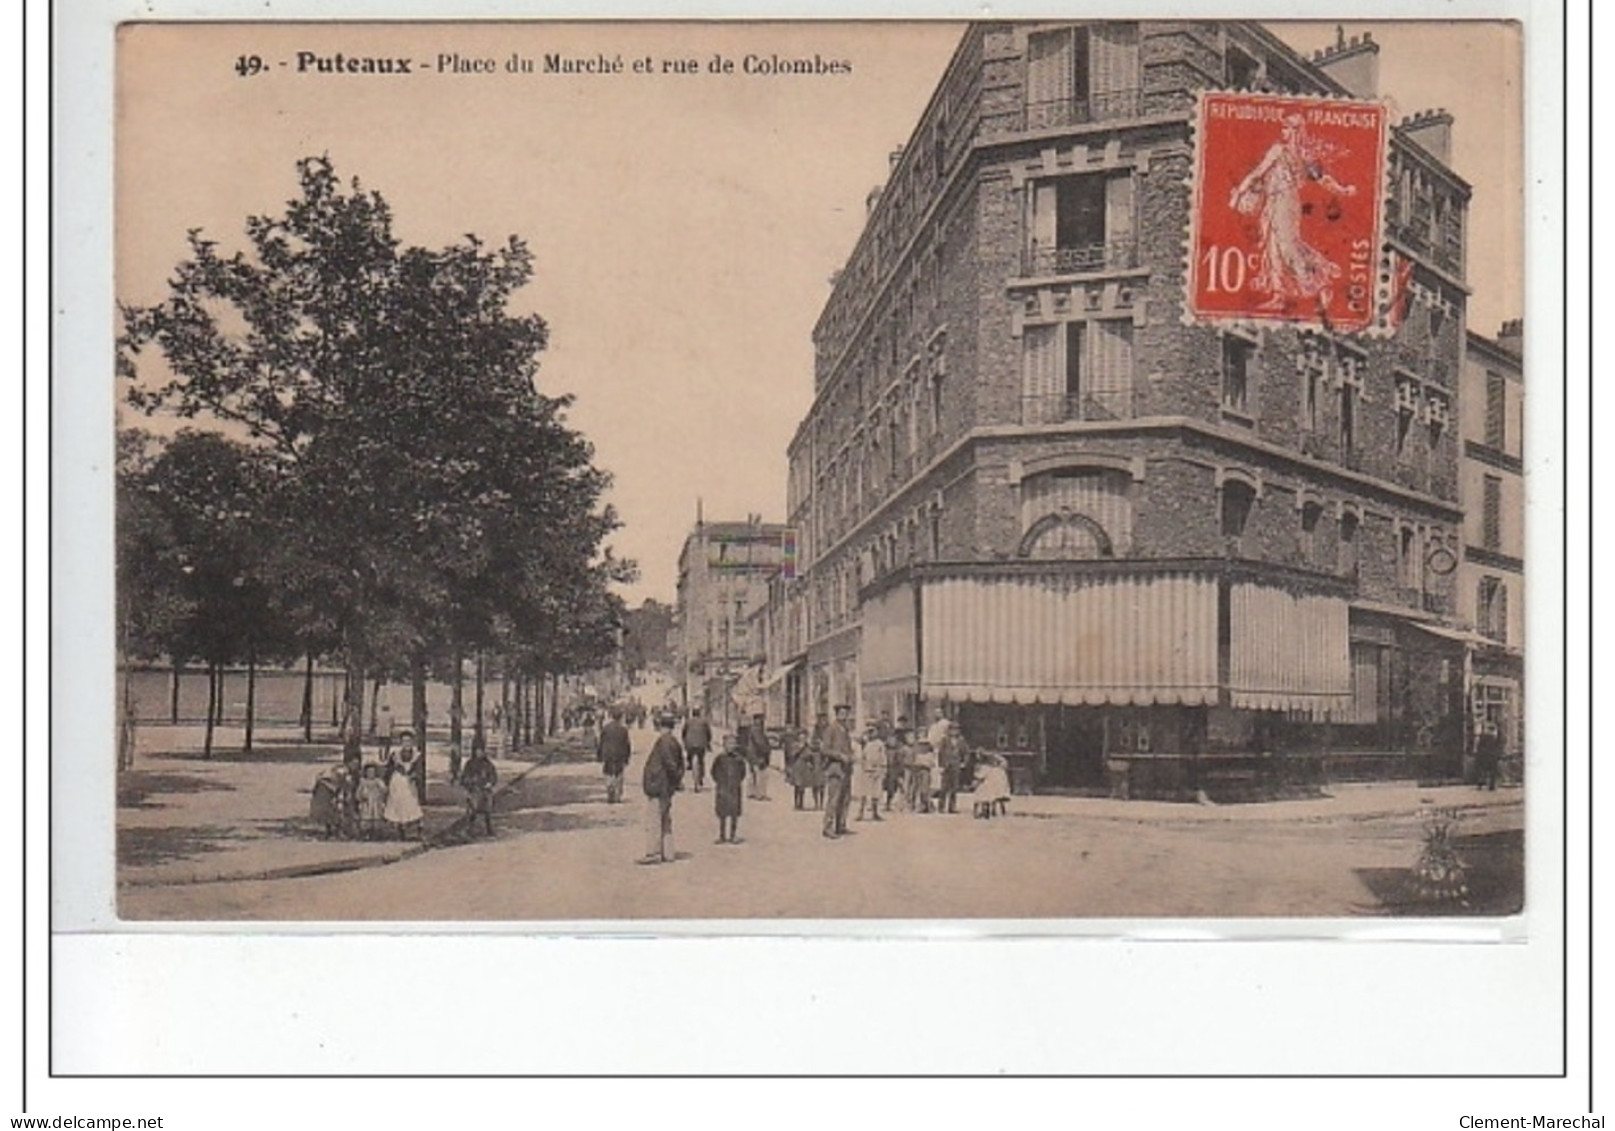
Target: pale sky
x=684, y=227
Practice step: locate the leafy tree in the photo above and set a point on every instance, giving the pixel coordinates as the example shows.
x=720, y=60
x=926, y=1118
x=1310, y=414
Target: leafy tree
x=427, y=498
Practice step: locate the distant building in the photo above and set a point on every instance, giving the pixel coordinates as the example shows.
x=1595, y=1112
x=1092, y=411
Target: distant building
x=1031, y=496
x=724, y=572
x=1491, y=579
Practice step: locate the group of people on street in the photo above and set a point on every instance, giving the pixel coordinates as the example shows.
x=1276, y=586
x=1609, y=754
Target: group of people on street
x=887, y=766
x=372, y=798
x=884, y=767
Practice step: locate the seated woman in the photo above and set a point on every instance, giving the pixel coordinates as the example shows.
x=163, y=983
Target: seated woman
x=992, y=786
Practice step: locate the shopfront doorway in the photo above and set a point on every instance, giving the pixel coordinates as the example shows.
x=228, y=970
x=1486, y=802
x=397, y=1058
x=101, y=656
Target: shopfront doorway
x=1075, y=747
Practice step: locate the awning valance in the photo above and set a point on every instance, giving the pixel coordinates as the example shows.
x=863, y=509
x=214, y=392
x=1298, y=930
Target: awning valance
x=1077, y=641
x=778, y=675
x=1288, y=652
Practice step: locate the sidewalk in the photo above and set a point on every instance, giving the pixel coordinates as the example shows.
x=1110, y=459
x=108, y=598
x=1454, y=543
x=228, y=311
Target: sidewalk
x=1357, y=801
x=183, y=819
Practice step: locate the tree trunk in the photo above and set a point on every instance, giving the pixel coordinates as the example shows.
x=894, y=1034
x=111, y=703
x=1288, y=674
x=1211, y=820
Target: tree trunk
x=305, y=715
x=555, y=701
x=173, y=693
x=457, y=701
x=352, y=703
x=504, y=702
x=212, y=703
x=126, y=722
x=479, y=740
x=252, y=693
x=375, y=703
x=526, y=686
x=417, y=714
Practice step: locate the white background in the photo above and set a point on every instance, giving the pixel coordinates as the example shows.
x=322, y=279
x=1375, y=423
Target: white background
x=209, y=1002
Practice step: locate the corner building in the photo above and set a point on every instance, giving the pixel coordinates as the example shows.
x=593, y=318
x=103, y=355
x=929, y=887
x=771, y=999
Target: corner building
x=1119, y=547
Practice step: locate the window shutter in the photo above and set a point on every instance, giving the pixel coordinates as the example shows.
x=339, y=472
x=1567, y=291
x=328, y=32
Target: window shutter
x=1114, y=53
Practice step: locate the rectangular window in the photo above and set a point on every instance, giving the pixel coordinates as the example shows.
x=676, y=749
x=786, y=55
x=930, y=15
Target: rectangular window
x=1348, y=417
x=1310, y=365
x=1236, y=365
x=1077, y=371
x=1079, y=224
x=1491, y=513
x=1496, y=412
x=1409, y=567
x=1082, y=74
x=1491, y=609
x=1076, y=338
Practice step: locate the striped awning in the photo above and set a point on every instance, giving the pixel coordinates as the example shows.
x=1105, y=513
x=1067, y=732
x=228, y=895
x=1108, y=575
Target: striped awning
x=1128, y=640
x=1288, y=652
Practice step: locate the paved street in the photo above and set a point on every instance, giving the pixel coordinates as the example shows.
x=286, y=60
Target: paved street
x=561, y=852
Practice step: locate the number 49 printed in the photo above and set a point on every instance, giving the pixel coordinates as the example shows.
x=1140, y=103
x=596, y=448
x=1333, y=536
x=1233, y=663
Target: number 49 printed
x=1288, y=204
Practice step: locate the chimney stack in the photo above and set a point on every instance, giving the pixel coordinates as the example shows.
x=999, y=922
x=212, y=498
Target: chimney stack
x=1353, y=63
x=1512, y=336
x=1431, y=131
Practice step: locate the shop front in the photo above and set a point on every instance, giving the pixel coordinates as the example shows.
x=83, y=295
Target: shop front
x=1142, y=678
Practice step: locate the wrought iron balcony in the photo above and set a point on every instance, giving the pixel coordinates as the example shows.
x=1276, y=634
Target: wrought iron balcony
x=1061, y=112
x=1056, y=408
x=1112, y=255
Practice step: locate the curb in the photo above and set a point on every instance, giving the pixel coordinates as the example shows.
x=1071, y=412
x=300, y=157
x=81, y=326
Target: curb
x=345, y=864
x=1207, y=815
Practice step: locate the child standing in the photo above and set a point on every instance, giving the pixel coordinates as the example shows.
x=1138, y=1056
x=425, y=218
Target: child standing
x=372, y=800
x=728, y=773
x=477, y=778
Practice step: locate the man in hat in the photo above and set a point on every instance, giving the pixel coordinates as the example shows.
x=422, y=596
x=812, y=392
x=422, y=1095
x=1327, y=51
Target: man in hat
x=614, y=748
x=697, y=741
x=838, y=760
x=757, y=754
x=951, y=761
x=664, y=776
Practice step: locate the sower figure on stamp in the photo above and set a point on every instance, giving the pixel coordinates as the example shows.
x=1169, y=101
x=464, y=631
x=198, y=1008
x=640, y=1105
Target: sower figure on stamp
x=664, y=776
x=1291, y=268
x=613, y=749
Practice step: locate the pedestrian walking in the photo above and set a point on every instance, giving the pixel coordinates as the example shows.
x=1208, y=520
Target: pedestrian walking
x=951, y=761
x=838, y=764
x=478, y=778
x=403, y=806
x=728, y=773
x=870, y=779
x=758, y=755
x=664, y=776
x=697, y=735
x=613, y=749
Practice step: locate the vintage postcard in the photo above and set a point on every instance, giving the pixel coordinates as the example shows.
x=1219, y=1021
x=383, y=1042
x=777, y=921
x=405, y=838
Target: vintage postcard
x=600, y=472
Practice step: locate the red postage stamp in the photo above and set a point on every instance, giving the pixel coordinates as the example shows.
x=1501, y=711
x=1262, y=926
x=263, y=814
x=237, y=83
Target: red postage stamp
x=1288, y=203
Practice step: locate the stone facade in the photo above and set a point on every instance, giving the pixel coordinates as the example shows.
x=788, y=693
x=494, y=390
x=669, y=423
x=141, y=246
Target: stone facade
x=934, y=431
